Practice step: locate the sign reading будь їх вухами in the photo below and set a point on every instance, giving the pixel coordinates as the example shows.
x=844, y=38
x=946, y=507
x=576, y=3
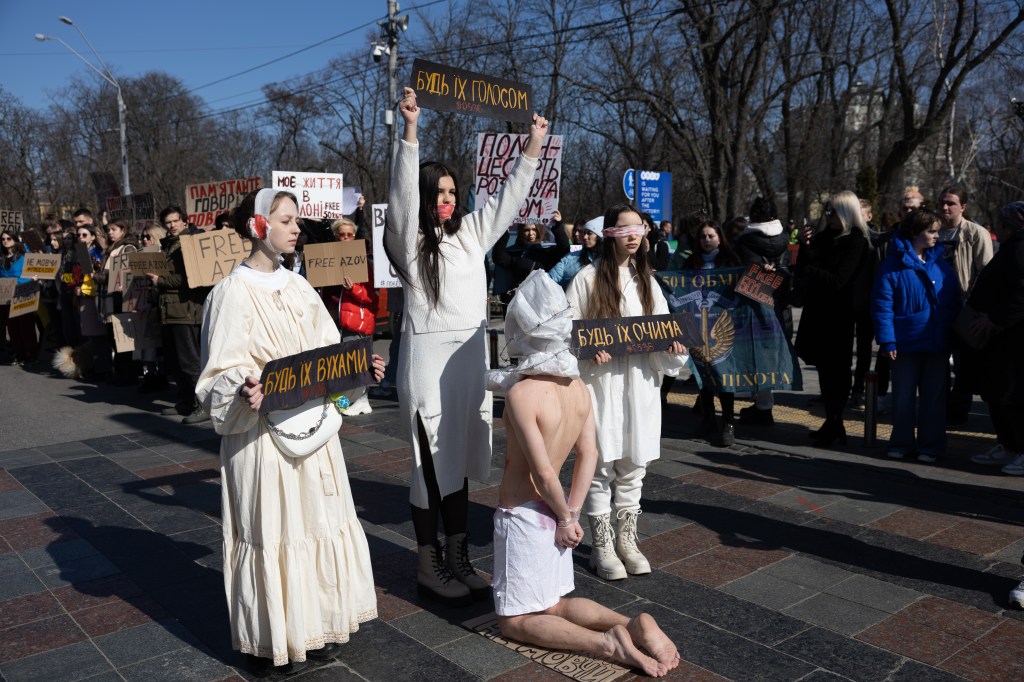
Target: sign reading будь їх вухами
x=632, y=335
x=294, y=380
x=447, y=88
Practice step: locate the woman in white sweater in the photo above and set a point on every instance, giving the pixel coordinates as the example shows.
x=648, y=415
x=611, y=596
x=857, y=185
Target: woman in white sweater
x=439, y=254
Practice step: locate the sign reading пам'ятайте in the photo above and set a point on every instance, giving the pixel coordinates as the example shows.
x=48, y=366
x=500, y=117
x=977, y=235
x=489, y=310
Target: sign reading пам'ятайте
x=447, y=88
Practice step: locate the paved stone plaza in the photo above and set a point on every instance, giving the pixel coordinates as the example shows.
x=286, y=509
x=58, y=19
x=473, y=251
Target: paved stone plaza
x=773, y=561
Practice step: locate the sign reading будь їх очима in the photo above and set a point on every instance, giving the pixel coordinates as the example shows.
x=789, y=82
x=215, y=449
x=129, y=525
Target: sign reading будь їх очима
x=447, y=88
x=632, y=335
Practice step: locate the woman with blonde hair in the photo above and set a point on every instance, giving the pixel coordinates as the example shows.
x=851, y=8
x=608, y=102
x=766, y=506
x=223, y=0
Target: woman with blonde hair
x=836, y=266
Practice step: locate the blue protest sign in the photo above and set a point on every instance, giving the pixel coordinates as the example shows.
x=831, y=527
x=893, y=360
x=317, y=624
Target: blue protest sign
x=654, y=194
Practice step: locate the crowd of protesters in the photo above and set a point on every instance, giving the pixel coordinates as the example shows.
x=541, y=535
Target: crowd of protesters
x=932, y=291
x=905, y=291
x=72, y=329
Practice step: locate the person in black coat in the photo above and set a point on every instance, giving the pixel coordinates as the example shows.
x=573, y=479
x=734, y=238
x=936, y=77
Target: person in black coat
x=834, y=264
x=529, y=253
x=764, y=241
x=998, y=298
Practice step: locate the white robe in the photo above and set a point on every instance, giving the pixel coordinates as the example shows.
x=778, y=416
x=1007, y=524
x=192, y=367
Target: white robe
x=296, y=563
x=626, y=391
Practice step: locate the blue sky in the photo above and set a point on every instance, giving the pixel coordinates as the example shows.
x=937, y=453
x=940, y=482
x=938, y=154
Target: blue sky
x=198, y=42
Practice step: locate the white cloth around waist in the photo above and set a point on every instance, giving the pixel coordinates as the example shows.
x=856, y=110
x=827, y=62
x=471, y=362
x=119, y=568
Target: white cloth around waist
x=531, y=572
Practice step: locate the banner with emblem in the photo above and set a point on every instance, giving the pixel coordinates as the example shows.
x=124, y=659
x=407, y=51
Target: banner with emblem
x=744, y=345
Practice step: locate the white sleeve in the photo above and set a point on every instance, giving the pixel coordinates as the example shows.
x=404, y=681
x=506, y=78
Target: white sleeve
x=226, y=362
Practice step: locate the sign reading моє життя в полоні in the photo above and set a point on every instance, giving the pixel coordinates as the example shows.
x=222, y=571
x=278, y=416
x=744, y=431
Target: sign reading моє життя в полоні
x=447, y=88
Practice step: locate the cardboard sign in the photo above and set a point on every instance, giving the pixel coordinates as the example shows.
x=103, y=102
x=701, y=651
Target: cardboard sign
x=447, y=88
x=759, y=284
x=204, y=201
x=143, y=262
x=321, y=195
x=294, y=380
x=7, y=285
x=384, y=274
x=41, y=265
x=328, y=264
x=136, y=331
x=632, y=335
x=25, y=299
x=496, y=154
x=106, y=187
x=137, y=210
x=118, y=269
x=83, y=258
x=24, y=306
x=11, y=220
x=211, y=256
x=33, y=241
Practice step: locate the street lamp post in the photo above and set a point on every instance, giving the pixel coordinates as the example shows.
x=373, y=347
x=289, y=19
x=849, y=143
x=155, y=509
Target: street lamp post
x=108, y=76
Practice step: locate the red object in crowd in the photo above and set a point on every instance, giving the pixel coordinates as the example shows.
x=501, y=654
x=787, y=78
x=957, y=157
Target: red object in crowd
x=357, y=307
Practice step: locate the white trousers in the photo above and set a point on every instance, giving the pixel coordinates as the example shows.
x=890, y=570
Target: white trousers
x=627, y=478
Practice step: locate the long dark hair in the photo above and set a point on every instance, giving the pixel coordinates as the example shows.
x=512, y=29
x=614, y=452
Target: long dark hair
x=726, y=255
x=606, y=296
x=431, y=173
x=17, y=250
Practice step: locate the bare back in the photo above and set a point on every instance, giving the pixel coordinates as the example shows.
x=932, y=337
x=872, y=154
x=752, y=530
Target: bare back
x=545, y=417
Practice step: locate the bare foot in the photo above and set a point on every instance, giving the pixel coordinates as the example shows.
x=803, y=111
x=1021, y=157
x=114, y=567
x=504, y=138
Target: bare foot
x=622, y=649
x=646, y=633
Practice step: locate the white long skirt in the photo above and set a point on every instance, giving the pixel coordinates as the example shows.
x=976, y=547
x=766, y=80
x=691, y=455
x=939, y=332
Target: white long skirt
x=441, y=382
x=296, y=562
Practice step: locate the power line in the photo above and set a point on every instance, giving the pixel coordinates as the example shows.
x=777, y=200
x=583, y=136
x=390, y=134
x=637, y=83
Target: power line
x=625, y=22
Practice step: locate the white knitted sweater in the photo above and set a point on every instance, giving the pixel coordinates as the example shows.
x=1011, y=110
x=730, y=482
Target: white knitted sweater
x=462, y=298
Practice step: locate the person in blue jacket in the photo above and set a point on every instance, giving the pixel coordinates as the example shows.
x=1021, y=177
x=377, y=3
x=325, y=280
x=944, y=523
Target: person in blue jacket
x=915, y=300
x=572, y=263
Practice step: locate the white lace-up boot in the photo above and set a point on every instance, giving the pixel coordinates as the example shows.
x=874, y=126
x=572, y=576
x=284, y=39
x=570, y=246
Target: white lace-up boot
x=625, y=543
x=602, y=553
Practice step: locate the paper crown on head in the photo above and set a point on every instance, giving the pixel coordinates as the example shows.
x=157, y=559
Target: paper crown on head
x=538, y=324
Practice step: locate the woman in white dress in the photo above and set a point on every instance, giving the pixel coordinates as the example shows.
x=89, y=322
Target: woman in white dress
x=438, y=252
x=296, y=563
x=625, y=390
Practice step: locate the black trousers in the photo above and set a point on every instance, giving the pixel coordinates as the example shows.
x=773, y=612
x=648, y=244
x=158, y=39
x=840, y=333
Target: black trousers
x=182, y=341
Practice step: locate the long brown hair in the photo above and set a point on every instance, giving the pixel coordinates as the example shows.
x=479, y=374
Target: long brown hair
x=726, y=255
x=431, y=173
x=606, y=296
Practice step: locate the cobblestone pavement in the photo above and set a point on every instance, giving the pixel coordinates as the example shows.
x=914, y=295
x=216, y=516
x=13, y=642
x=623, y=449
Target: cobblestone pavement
x=773, y=560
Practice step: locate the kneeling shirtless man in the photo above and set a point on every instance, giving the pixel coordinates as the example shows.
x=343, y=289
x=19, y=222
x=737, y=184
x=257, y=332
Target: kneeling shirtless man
x=548, y=413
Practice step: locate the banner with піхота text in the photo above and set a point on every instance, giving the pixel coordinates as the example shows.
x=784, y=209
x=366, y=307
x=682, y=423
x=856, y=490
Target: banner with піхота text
x=745, y=347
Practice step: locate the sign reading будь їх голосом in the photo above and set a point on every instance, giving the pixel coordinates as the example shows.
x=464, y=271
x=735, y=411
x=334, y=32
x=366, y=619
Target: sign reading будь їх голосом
x=447, y=88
